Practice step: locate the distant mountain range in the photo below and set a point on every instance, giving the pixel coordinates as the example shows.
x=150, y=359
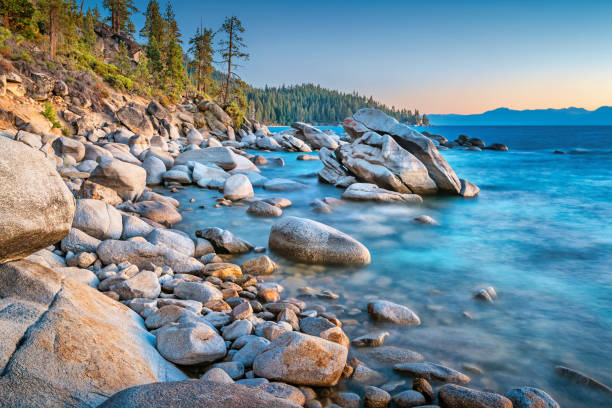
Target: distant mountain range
x=509, y=117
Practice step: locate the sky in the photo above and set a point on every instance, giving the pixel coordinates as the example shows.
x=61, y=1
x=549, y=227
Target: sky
x=462, y=56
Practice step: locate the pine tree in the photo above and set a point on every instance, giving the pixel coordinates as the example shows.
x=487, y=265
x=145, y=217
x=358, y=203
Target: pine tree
x=153, y=30
x=16, y=14
x=202, y=51
x=121, y=10
x=154, y=23
x=172, y=29
x=61, y=21
x=231, y=48
x=175, y=76
x=89, y=34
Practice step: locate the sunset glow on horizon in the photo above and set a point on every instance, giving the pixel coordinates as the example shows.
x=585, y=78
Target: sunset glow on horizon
x=438, y=57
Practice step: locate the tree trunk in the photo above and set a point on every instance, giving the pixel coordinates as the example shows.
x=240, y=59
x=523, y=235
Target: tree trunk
x=53, y=30
x=229, y=63
x=82, y=4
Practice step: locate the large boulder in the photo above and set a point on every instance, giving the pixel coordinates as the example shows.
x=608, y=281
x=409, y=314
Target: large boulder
x=65, y=344
x=377, y=159
x=237, y=187
x=299, y=358
x=142, y=254
x=156, y=110
x=221, y=156
x=70, y=147
x=201, y=394
x=128, y=180
x=371, y=192
x=333, y=172
x=155, y=168
x=314, y=137
x=36, y=208
x=98, y=219
x=415, y=143
x=134, y=117
x=309, y=241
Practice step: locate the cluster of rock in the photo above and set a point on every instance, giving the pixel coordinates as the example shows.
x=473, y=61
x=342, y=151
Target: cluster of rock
x=464, y=142
x=387, y=161
x=108, y=267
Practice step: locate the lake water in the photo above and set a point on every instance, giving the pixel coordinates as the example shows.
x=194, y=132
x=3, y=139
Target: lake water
x=539, y=232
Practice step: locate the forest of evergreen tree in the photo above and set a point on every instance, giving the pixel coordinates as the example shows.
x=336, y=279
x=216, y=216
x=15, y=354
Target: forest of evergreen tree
x=314, y=104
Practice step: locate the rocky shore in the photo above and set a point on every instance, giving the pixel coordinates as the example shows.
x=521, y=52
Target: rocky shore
x=105, y=304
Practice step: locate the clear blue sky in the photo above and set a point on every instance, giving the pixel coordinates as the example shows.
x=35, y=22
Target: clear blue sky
x=439, y=56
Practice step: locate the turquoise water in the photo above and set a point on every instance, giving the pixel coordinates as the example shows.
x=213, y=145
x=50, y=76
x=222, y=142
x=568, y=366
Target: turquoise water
x=539, y=232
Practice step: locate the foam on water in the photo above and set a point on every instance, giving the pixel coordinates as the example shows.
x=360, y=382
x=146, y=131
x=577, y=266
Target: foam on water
x=539, y=232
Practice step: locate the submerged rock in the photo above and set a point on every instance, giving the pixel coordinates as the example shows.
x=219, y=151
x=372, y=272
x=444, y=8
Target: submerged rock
x=456, y=396
x=468, y=189
x=529, y=397
x=582, y=378
x=301, y=359
x=237, y=187
x=309, y=241
x=432, y=371
x=36, y=207
x=371, y=192
x=385, y=311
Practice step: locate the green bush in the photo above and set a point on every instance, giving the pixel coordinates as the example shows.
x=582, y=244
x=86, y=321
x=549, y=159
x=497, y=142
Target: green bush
x=50, y=114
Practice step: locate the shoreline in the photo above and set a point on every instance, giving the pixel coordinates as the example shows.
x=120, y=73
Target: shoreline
x=204, y=309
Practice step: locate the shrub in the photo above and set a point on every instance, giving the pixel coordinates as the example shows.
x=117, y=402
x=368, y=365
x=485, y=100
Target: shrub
x=50, y=114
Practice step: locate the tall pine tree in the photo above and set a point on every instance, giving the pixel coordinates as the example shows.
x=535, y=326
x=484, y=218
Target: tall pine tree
x=232, y=49
x=121, y=10
x=61, y=19
x=153, y=31
x=202, y=52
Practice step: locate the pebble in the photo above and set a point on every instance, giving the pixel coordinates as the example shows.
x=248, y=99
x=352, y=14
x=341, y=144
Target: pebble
x=371, y=339
x=422, y=385
x=409, y=398
x=376, y=398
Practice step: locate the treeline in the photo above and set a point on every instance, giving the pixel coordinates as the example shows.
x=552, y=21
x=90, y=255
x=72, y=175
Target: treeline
x=314, y=104
x=170, y=69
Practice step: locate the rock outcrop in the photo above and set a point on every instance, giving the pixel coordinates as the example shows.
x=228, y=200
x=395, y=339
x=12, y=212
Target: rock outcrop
x=36, y=208
x=377, y=159
x=65, y=344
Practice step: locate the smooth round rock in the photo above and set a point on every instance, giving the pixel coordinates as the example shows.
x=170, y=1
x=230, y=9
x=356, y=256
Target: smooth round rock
x=312, y=242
